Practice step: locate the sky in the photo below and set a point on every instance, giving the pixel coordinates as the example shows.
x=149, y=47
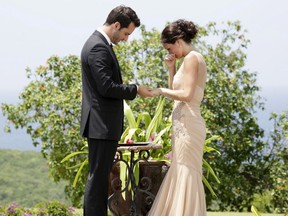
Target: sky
x=33, y=30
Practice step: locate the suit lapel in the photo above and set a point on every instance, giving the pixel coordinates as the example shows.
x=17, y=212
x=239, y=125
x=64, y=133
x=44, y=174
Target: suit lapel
x=111, y=52
x=115, y=59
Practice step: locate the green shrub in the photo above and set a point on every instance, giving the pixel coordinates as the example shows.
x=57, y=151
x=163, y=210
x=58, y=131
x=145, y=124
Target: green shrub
x=45, y=208
x=55, y=208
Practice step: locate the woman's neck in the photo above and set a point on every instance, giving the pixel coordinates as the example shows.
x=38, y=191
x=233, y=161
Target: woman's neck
x=187, y=49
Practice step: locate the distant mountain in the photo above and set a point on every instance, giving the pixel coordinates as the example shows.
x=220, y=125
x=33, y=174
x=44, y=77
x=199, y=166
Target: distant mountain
x=25, y=179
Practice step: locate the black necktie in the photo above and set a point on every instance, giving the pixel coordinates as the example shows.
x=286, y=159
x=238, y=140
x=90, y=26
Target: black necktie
x=111, y=45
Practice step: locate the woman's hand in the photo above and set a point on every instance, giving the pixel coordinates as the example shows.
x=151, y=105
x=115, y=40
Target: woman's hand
x=170, y=60
x=156, y=92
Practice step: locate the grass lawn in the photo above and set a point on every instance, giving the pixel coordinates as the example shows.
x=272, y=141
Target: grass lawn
x=238, y=214
x=79, y=213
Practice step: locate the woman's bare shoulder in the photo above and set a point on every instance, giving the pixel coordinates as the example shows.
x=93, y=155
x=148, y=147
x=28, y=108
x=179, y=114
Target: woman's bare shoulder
x=191, y=57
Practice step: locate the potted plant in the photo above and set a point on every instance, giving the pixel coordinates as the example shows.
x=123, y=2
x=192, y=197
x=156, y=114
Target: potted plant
x=148, y=171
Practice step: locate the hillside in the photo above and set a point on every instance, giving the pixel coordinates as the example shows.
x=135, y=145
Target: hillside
x=24, y=179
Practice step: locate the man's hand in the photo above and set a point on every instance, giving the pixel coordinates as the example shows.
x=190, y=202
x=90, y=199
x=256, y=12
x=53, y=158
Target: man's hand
x=144, y=91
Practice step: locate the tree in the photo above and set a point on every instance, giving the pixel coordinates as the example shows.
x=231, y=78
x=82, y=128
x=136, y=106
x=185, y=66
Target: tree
x=276, y=160
x=49, y=110
x=273, y=197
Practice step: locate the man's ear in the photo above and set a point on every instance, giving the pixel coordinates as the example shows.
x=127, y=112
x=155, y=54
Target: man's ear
x=117, y=25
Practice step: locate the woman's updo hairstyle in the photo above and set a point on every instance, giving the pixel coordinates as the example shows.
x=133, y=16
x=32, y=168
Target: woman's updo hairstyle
x=180, y=29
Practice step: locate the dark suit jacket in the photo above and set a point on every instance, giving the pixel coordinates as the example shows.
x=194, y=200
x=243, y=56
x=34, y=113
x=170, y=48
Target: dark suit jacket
x=102, y=91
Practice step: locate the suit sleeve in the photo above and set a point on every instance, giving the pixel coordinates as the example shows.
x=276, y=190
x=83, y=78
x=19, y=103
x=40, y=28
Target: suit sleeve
x=107, y=77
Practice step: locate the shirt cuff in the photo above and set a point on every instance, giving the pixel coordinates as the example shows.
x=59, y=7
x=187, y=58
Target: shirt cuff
x=135, y=85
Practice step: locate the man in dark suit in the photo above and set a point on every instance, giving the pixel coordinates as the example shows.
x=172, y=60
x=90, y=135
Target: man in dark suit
x=102, y=103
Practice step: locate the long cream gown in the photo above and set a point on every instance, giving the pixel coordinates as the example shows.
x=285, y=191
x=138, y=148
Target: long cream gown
x=182, y=192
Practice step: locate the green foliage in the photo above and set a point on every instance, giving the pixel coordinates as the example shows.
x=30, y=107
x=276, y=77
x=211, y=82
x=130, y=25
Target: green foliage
x=255, y=211
x=55, y=208
x=208, y=170
x=80, y=166
x=276, y=160
x=146, y=128
x=24, y=178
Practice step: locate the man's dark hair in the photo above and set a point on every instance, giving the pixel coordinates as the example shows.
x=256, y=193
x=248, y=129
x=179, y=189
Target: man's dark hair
x=124, y=15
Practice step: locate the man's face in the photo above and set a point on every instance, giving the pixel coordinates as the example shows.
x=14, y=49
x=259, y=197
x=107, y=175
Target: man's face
x=122, y=34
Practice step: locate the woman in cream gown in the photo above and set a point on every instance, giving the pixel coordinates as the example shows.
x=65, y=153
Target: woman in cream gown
x=182, y=192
